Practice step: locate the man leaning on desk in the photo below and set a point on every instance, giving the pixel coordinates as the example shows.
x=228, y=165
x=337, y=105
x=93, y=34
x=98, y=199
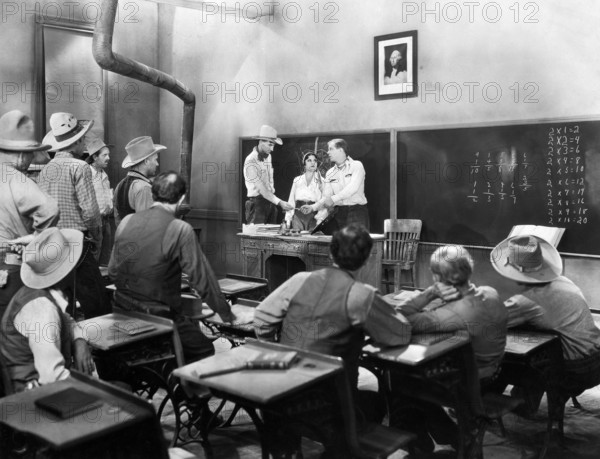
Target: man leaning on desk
x=546, y=300
x=477, y=310
x=152, y=248
x=329, y=311
x=38, y=339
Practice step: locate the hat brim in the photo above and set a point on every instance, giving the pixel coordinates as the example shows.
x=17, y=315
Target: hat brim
x=56, y=145
x=551, y=263
x=128, y=162
x=68, y=260
x=106, y=145
x=277, y=140
x=31, y=147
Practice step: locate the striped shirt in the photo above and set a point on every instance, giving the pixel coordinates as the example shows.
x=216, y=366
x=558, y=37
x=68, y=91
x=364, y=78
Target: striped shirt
x=69, y=181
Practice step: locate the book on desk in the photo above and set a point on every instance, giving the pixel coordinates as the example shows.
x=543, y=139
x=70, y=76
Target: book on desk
x=133, y=327
x=261, y=360
x=68, y=402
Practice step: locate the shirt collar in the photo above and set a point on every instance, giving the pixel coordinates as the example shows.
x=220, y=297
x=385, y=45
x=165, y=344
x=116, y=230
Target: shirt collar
x=345, y=163
x=138, y=174
x=59, y=299
x=164, y=206
x=64, y=154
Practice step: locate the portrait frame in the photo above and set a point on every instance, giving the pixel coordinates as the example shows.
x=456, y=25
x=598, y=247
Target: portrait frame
x=399, y=80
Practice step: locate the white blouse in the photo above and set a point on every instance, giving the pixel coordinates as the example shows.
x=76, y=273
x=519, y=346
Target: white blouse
x=301, y=191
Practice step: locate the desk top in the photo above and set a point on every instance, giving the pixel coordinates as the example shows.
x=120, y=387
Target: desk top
x=230, y=286
x=101, y=333
x=301, y=238
x=417, y=354
x=260, y=386
x=118, y=410
x=522, y=342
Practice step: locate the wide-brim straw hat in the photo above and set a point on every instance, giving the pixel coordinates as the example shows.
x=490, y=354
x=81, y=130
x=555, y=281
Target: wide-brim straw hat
x=65, y=130
x=527, y=259
x=15, y=139
x=139, y=149
x=268, y=133
x=51, y=256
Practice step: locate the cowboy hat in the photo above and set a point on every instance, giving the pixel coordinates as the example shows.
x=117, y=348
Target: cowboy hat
x=51, y=256
x=93, y=146
x=139, y=149
x=65, y=130
x=527, y=259
x=13, y=136
x=268, y=133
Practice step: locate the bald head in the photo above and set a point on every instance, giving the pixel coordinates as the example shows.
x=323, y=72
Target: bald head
x=168, y=187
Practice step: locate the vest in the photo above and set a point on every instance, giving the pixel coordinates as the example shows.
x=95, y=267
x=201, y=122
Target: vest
x=317, y=319
x=144, y=272
x=121, y=199
x=15, y=347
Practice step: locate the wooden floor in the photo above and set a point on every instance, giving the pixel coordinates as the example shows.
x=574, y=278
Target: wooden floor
x=523, y=437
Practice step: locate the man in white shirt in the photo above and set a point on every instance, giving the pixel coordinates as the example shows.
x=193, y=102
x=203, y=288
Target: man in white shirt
x=98, y=159
x=39, y=339
x=258, y=176
x=344, y=188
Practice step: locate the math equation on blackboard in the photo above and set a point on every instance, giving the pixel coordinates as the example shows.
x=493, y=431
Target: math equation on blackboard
x=509, y=174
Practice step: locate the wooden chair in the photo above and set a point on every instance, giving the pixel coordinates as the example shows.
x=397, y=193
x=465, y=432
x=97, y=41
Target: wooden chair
x=400, y=250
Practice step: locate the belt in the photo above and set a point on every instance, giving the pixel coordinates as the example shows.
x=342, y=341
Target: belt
x=302, y=203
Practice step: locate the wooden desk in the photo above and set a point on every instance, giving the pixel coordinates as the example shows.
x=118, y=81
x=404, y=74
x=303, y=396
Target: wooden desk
x=312, y=250
x=260, y=389
x=442, y=373
x=144, y=361
x=101, y=334
x=536, y=356
x=124, y=426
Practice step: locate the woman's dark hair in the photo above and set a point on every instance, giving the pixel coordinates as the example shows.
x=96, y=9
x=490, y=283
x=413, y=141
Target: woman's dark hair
x=308, y=155
x=168, y=187
x=351, y=246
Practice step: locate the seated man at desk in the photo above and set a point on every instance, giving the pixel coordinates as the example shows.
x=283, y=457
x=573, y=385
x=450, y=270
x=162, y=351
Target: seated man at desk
x=546, y=300
x=38, y=339
x=328, y=311
x=152, y=248
x=478, y=310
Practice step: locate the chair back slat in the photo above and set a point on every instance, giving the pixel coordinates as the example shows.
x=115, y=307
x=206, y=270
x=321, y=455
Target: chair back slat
x=401, y=240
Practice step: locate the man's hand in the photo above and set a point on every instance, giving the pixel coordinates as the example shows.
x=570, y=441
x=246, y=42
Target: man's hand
x=328, y=202
x=306, y=209
x=230, y=318
x=286, y=205
x=17, y=245
x=83, y=357
x=444, y=291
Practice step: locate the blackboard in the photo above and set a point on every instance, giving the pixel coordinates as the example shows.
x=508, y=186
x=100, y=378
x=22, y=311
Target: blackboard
x=372, y=149
x=471, y=185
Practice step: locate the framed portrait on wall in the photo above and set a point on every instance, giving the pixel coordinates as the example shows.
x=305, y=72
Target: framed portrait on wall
x=396, y=65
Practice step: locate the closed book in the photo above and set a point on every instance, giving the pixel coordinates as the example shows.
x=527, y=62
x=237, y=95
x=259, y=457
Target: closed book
x=68, y=402
x=133, y=327
x=272, y=360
